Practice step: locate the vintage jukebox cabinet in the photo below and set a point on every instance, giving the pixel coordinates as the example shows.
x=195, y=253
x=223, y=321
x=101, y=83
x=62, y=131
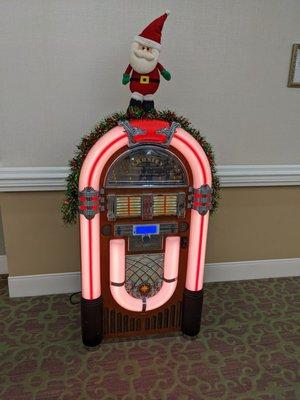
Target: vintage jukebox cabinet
x=144, y=200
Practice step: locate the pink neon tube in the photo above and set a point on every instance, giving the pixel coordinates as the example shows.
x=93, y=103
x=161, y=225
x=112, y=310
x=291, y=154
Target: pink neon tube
x=90, y=174
x=117, y=276
x=199, y=164
x=171, y=263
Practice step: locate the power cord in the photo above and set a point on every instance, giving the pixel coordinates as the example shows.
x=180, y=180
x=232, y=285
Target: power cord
x=71, y=298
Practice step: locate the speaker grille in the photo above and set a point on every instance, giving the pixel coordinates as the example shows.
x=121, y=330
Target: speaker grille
x=117, y=323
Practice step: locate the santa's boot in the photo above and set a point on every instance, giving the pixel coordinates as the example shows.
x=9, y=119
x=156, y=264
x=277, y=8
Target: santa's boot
x=134, y=104
x=148, y=105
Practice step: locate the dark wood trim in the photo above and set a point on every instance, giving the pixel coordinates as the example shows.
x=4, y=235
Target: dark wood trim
x=119, y=322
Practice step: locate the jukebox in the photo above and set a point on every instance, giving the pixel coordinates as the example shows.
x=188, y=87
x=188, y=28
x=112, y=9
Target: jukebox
x=144, y=200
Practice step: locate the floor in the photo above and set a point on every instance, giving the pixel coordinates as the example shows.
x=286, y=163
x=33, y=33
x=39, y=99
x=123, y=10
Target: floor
x=249, y=348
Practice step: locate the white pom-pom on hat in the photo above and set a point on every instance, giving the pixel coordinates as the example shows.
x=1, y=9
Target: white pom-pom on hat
x=167, y=12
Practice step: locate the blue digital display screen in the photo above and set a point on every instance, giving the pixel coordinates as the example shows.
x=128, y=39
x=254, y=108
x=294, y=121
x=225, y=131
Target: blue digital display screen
x=145, y=229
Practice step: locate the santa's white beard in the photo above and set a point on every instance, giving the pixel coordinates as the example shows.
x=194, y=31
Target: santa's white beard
x=141, y=64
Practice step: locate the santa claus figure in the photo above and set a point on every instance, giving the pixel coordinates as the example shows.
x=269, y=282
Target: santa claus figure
x=144, y=70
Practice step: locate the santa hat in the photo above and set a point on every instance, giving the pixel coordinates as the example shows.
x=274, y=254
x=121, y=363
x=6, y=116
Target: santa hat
x=151, y=35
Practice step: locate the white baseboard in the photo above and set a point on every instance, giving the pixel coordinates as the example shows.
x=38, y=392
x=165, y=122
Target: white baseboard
x=257, y=269
x=3, y=265
x=18, y=179
x=36, y=285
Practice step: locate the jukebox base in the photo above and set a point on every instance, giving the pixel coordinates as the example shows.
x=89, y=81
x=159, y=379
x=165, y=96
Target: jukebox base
x=191, y=312
x=99, y=322
x=92, y=321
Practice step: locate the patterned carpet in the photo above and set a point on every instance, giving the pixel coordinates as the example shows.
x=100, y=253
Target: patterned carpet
x=248, y=349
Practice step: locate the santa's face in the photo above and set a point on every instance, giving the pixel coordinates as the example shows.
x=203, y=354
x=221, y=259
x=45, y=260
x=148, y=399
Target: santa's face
x=143, y=59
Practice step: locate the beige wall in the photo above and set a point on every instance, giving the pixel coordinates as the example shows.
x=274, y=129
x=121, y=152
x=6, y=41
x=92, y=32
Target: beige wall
x=2, y=245
x=61, y=64
x=251, y=223
x=255, y=224
x=37, y=241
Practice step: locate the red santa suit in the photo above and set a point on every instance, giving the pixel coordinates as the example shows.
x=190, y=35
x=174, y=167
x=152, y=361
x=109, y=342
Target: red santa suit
x=144, y=84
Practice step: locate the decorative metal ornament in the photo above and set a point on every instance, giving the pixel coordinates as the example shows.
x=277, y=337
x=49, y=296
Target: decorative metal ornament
x=131, y=131
x=169, y=132
x=89, y=202
x=201, y=199
x=163, y=136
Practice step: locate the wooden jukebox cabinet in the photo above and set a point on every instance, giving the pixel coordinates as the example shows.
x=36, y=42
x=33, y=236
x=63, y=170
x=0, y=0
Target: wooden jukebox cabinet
x=144, y=200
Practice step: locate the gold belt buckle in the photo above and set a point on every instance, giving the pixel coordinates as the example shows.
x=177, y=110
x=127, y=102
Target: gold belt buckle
x=144, y=79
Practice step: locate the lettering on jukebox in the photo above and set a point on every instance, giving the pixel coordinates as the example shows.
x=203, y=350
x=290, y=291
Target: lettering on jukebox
x=144, y=201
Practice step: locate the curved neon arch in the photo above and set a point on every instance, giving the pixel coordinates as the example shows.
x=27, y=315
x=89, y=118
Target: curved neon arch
x=90, y=175
x=117, y=276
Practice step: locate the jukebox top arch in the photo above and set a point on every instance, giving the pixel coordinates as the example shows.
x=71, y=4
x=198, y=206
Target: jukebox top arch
x=94, y=200
x=147, y=166
x=159, y=119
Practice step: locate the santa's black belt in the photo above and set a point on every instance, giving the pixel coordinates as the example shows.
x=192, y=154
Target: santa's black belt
x=144, y=80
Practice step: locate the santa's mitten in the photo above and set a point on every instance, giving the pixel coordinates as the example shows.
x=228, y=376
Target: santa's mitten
x=126, y=79
x=166, y=74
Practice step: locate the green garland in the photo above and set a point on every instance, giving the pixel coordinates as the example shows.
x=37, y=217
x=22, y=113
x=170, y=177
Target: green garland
x=69, y=207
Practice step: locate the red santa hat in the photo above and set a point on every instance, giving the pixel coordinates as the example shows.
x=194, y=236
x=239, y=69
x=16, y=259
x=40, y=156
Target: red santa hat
x=151, y=35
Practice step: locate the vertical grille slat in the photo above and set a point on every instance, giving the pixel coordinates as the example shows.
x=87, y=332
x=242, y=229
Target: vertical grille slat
x=147, y=323
x=119, y=323
x=125, y=325
x=112, y=321
x=138, y=325
x=106, y=320
x=153, y=322
x=159, y=320
x=132, y=324
x=172, y=316
x=166, y=318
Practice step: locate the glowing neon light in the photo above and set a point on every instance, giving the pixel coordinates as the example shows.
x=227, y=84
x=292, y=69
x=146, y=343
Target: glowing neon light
x=117, y=276
x=90, y=175
x=199, y=164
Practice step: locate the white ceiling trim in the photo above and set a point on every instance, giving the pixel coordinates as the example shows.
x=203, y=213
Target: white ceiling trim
x=20, y=179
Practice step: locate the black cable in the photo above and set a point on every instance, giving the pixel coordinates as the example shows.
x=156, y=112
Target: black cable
x=71, y=296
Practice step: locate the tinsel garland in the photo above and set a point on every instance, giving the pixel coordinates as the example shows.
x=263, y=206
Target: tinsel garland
x=69, y=207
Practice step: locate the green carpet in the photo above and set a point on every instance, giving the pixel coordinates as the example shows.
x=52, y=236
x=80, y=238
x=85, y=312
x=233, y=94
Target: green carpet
x=248, y=349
